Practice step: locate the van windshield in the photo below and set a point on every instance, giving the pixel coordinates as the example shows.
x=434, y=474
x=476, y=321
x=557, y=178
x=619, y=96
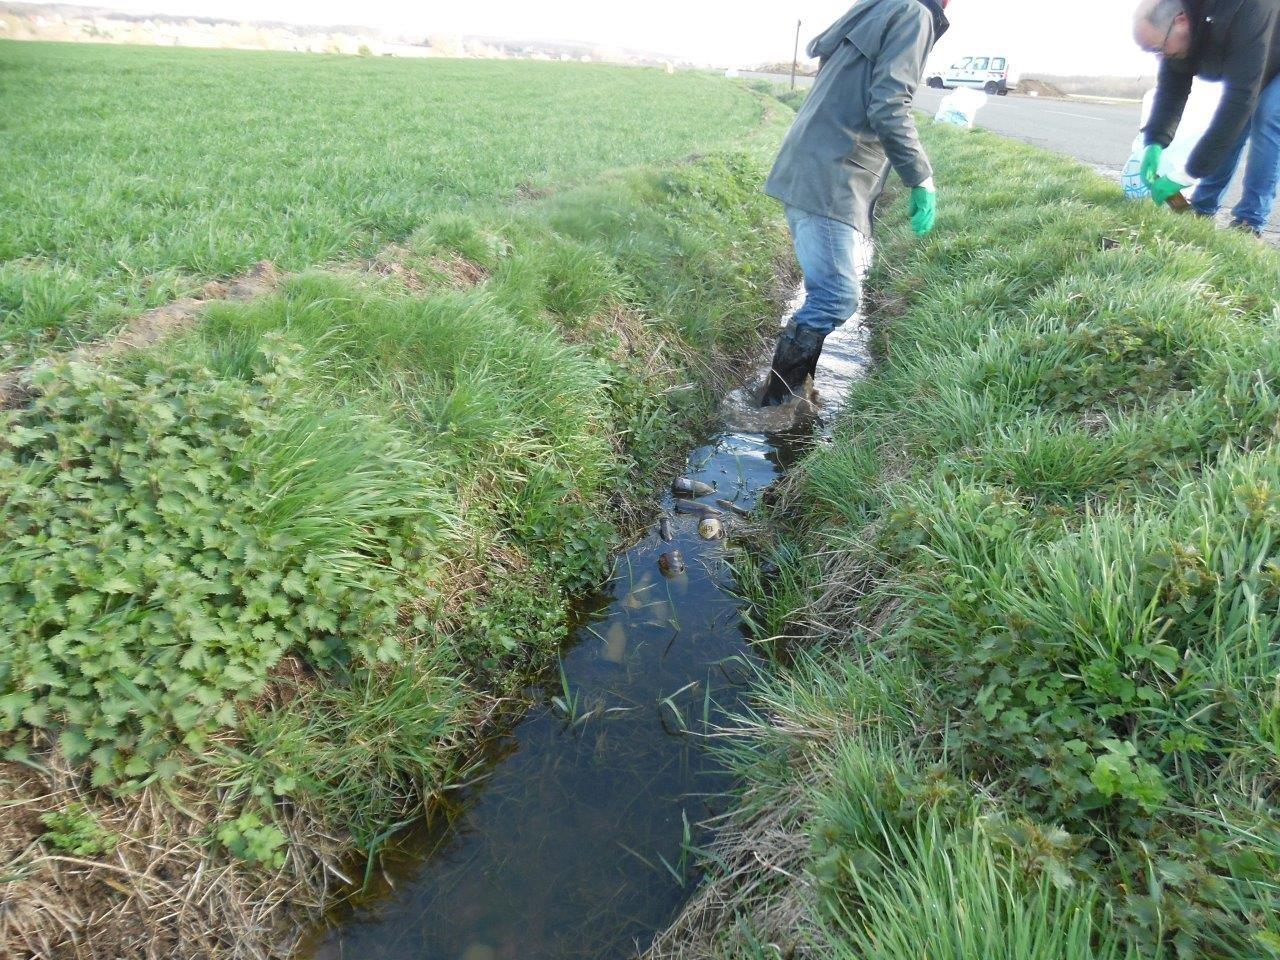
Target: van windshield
x=962, y=64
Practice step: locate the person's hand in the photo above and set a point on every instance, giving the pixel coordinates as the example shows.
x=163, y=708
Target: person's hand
x=923, y=210
x=1164, y=188
x=1151, y=164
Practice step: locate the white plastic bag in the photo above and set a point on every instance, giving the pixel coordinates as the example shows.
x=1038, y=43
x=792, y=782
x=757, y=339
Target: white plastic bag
x=1135, y=188
x=1201, y=106
x=960, y=107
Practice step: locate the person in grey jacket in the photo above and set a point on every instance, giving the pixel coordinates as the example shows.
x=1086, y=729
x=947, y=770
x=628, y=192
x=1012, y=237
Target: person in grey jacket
x=855, y=125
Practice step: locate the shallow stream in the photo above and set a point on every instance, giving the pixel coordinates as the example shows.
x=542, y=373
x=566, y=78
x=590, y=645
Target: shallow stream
x=571, y=843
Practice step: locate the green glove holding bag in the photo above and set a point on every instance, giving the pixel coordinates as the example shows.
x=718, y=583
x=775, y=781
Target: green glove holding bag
x=923, y=209
x=1162, y=188
x=1151, y=164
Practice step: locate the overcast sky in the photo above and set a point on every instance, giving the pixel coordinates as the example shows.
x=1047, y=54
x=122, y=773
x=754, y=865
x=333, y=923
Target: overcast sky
x=1047, y=36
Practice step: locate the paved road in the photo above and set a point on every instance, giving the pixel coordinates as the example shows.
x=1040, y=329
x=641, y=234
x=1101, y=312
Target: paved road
x=1100, y=134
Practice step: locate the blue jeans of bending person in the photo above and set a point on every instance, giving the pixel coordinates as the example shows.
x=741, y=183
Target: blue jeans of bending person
x=1262, y=168
x=834, y=258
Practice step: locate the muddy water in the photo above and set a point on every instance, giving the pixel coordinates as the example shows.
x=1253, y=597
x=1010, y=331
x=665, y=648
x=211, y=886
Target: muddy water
x=572, y=842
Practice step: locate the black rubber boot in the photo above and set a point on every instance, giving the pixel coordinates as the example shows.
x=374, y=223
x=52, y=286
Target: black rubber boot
x=793, y=361
x=812, y=369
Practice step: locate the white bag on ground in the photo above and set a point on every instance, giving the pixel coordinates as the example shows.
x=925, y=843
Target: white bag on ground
x=1201, y=106
x=960, y=107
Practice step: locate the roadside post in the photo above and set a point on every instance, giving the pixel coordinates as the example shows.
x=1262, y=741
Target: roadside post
x=795, y=56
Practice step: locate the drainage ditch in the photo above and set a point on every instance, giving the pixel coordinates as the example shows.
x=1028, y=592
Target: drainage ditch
x=571, y=841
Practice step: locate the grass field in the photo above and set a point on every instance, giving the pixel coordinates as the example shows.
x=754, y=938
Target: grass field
x=131, y=175
x=1033, y=593
x=264, y=581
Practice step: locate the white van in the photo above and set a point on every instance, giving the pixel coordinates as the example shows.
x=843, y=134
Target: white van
x=990, y=74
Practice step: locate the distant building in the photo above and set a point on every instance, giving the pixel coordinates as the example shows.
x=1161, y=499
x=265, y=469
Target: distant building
x=411, y=50
x=54, y=21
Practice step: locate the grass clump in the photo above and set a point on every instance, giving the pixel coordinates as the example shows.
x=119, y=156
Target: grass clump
x=75, y=830
x=904, y=858
x=1050, y=517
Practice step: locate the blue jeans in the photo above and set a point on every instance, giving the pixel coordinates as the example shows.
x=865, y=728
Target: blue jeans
x=833, y=257
x=1261, y=170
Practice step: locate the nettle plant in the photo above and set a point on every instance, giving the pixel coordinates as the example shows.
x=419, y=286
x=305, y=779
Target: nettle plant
x=170, y=535
x=1103, y=667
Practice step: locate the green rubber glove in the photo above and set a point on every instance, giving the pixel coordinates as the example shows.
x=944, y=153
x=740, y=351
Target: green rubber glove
x=1164, y=188
x=923, y=210
x=1151, y=164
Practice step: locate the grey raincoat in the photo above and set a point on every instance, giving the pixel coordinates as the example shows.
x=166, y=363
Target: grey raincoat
x=857, y=120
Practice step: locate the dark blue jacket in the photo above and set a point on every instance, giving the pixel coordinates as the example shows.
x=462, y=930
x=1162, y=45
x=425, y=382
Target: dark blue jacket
x=1234, y=41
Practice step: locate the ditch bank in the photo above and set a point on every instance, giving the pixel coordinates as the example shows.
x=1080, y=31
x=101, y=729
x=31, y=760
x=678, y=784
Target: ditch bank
x=271, y=576
x=1030, y=590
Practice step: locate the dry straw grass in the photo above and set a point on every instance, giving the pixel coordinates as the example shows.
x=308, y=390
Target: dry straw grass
x=164, y=893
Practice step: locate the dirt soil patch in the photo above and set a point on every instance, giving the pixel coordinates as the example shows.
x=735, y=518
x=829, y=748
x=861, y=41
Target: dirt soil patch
x=149, y=328
x=1029, y=87
x=418, y=273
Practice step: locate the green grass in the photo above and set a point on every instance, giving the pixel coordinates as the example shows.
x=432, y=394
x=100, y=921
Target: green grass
x=295, y=476
x=1054, y=509
x=279, y=567
x=267, y=579
x=895, y=881
x=131, y=175
x=874, y=848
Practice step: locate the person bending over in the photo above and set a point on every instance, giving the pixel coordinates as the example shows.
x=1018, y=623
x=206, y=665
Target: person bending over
x=1236, y=42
